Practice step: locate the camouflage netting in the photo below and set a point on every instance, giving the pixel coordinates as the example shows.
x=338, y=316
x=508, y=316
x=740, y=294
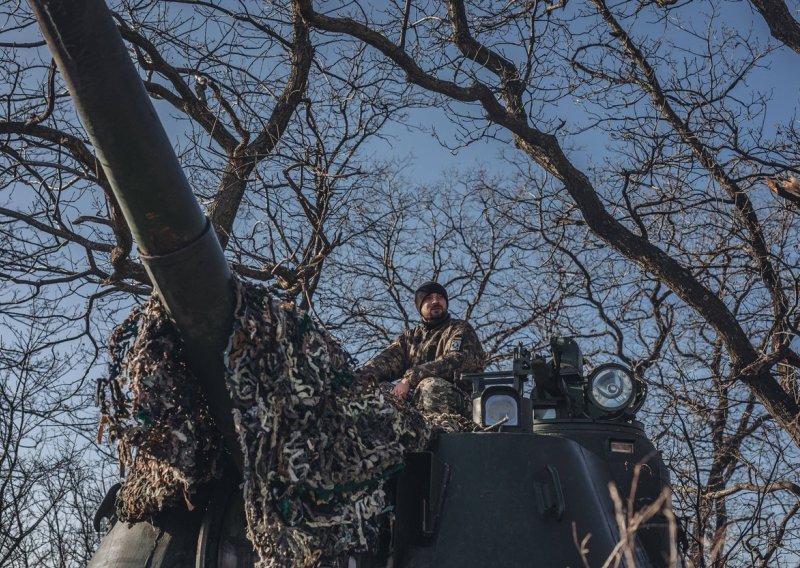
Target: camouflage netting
x=164, y=417
x=318, y=446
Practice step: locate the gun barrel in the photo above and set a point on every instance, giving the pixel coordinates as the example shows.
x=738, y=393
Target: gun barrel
x=180, y=250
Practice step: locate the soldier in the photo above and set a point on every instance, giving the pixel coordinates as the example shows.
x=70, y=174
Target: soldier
x=429, y=358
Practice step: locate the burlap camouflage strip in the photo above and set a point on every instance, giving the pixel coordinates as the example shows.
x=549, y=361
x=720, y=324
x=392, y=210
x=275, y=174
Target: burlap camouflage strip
x=155, y=407
x=318, y=445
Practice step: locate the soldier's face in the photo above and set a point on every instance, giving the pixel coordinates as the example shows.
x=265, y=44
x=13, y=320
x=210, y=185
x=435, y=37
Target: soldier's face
x=433, y=306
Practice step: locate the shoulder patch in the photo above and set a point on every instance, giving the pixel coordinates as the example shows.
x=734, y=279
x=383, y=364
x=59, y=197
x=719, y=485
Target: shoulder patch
x=455, y=345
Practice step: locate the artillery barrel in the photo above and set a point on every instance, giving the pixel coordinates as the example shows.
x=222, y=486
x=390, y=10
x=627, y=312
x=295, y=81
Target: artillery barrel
x=179, y=247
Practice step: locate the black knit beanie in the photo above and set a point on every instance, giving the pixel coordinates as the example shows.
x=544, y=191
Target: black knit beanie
x=429, y=287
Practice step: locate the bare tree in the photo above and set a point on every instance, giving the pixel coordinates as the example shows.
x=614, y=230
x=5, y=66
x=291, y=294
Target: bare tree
x=49, y=483
x=459, y=232
x=506, y=92
x=270, y=135
x=681, y=198
x=783, y=26
x=664, y=249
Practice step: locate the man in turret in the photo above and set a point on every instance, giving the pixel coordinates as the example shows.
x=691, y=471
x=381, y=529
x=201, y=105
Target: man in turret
x=429, y=359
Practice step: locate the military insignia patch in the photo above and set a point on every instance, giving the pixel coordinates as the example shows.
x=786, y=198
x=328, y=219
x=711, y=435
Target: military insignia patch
x=456, y=345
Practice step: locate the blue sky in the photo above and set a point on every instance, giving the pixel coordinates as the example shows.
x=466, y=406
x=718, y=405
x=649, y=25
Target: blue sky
x=429, y=159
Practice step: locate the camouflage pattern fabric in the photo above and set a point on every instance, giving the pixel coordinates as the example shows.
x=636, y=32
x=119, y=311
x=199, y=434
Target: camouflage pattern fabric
x=442, y=350
x=318, y=445
x=434, y=394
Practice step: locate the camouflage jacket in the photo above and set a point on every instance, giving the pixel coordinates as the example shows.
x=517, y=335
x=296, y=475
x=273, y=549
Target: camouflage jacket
x=445, y=350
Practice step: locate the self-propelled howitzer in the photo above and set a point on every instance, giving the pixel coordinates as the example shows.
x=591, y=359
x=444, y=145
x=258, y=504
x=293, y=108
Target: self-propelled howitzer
x=531, y=490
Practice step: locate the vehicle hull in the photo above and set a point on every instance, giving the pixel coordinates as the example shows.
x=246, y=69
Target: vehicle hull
x=476, y=499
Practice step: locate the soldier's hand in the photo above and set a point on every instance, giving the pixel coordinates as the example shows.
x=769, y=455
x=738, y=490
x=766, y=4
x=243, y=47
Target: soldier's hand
x=401, y=389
